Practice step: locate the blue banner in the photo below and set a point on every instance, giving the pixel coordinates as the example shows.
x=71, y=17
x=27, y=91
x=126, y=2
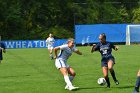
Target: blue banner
x=31, y=43
x=90, y=33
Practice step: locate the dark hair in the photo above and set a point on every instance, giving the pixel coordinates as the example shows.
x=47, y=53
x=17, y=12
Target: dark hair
x=104, y=35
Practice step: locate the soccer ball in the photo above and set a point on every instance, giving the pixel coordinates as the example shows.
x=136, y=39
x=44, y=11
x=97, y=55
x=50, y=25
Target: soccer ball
x=101, y=81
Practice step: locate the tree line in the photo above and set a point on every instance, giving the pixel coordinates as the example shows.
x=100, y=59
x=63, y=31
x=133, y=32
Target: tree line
x=35, y=19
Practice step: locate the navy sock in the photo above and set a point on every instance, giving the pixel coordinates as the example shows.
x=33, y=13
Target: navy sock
x=107, y=81
x=113, y=75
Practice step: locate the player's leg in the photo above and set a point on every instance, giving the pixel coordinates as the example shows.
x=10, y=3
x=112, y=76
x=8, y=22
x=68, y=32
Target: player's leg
x=137, y=83
x=110, y=67
x=105, y=73
x=61, y=65
x=72, y=73
x=69, y=85
x=50, y=51
x=64, y=72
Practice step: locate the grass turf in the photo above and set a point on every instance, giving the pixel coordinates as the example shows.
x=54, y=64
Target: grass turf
x=32, y=71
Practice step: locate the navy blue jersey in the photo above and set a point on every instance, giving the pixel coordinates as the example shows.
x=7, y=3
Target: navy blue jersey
x=105, y=49
x=2, y=46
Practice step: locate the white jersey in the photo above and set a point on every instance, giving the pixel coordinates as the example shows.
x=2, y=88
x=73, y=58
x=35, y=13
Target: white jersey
x=50, y=42
x=65, y=52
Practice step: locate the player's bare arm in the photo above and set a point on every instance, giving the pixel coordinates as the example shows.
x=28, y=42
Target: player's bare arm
x=93, y=48
x=55, y=51
x=116, y=48
x=78, y=52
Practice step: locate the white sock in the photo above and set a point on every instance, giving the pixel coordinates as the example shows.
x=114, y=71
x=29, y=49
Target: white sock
x=71, y=78
x=67, y=80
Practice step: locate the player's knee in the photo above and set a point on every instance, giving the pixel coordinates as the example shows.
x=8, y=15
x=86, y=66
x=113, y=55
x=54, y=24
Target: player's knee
x=73, y=74
x=110, y=68
x=106, y=76
x=64, y=71
x=50, y=52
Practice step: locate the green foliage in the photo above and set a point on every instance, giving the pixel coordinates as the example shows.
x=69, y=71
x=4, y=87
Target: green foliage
x=136, y=15
x=34, y=19
x=124, y=16
x=60, y=32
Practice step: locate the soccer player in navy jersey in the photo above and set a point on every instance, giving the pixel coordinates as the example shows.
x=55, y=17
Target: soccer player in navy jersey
x=107, y=61
x=2, y=49
x=136, y=90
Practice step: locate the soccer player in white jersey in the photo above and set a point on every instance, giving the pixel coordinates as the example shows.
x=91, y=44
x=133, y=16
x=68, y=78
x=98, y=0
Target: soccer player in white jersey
x=50, y=41
x=61, y=62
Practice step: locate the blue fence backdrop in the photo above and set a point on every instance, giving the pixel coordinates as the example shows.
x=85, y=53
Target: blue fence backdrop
x=90, y=33
x=31, y=43
x=135, y=34
x=84, y=34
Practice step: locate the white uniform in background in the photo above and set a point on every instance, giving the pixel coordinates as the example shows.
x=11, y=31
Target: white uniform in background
x=65, y=53
x=50, y=42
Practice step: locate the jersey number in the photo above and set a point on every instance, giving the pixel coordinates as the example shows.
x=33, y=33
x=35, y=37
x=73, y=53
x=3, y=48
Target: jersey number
x=104, y=51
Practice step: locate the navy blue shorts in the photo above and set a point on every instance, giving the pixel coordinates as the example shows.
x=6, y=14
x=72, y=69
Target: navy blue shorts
x=104, y=61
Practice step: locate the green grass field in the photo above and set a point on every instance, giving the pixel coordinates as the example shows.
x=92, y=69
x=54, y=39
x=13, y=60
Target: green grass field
x=31, y=71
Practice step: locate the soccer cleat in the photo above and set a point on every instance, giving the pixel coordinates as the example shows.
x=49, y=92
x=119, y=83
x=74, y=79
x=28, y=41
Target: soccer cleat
x=66, y=87
x=117, y=82
x=51, y=57
x=72, y=88
x=108, y=86
x=134, y=91
x=137, y=89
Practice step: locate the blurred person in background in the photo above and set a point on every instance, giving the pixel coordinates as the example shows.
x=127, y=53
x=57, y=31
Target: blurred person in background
x=50, y=44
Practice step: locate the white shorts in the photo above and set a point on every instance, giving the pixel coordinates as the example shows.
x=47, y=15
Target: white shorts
x=61, y=63
x=50, y=47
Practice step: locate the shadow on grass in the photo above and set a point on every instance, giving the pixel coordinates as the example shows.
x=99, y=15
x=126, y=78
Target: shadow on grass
x=83, y=88
x=13, y=76
x=117, y=87
x=123, y=87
